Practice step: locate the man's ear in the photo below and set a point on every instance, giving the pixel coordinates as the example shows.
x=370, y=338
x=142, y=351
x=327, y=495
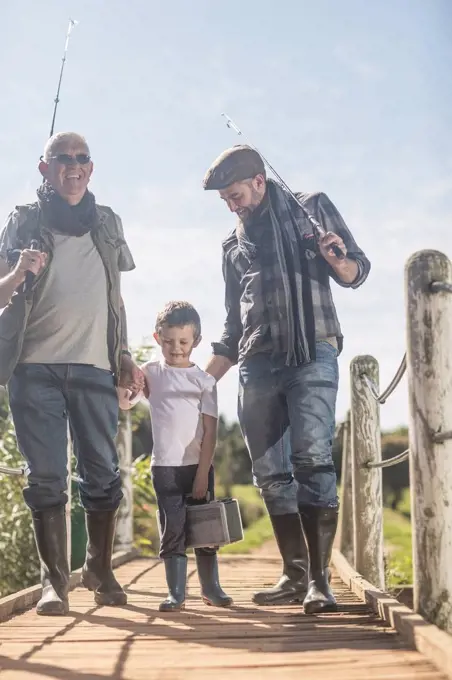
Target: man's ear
x=157, y=338
x=43, y=169
x=259, y=182
x=197, y=341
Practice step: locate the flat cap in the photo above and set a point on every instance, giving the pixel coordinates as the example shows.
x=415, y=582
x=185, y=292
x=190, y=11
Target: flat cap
x=233, y=165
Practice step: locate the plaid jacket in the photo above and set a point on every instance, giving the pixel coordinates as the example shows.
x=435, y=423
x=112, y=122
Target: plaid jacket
x=255, y=306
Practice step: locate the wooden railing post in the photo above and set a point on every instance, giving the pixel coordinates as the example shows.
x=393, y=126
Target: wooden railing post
x=124, y=525
x=429, y=364
x=345, y=529
x=366, y=482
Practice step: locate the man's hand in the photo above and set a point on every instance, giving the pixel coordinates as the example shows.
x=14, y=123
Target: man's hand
x=29, y=261
x=200, y=485
x=218, y=366
x=326, y=244
x=131, y=376
x=346, y=269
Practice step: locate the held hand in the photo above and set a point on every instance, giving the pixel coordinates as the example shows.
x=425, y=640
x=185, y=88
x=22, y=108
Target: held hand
x=29, y=261
x=124, y=395
x=325, y=246
x=200, y=486
x=131, y=375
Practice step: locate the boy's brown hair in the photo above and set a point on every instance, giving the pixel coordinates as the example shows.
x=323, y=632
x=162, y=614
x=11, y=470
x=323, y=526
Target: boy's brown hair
x=179, y=313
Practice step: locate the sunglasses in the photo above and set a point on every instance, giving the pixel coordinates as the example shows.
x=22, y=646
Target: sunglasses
x=67, y=159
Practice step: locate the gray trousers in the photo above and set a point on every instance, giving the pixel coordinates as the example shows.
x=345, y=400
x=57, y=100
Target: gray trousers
x=172, y=485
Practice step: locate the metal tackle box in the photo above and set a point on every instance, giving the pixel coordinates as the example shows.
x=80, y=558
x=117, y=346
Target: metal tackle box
x=215, y=523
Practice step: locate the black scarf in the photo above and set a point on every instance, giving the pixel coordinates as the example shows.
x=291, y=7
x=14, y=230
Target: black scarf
x=62, y=218
x=292, y=236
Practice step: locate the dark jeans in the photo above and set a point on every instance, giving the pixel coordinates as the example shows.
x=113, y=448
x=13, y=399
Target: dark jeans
x=172, y=486
x=287, y=417
x=43, y=397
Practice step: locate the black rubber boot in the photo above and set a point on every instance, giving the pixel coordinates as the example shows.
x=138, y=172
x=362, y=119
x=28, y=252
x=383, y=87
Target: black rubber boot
x=51, y=542
x=211, y=591
x=319, y=526
x=293, y=584
x=176, y=578
x=97, y=572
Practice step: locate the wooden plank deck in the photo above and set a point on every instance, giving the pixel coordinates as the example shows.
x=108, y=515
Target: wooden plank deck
x=136, y=642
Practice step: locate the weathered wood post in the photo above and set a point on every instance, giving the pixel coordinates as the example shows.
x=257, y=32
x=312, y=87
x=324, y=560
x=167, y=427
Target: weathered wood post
x=345, y=530
x=429, y=363
x=366, y=482
x=124, y=525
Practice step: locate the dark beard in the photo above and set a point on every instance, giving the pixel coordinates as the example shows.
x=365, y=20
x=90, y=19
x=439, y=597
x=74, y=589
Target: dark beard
x=255, y=211
x=62, y=218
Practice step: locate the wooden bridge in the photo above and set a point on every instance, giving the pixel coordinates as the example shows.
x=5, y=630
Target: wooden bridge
x=137, y=642
x=371, y=636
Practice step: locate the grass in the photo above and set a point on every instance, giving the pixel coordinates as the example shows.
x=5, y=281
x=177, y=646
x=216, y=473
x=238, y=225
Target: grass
x=257, y=525
x=405, y=504
x=398, y=556
x=254, y=536
x=252, y=507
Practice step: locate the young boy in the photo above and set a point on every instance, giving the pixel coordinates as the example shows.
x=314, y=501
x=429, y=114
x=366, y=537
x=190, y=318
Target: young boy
x=184, y=413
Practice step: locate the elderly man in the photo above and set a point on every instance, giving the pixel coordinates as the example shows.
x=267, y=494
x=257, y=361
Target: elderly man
x=63, y=345
x=283, y=331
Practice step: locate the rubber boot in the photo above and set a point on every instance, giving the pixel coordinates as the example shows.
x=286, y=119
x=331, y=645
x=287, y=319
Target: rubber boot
x=51, y=542
x=293, y=584
x=211, y=591
x=319, y=526
x=97, y=572
x=176, y=579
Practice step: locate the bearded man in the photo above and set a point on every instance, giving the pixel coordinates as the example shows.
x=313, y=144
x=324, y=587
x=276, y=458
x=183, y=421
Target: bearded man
x=282, y=330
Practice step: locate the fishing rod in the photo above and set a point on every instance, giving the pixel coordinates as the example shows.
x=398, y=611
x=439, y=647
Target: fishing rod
x=317, y=227
x=72, y=24
x=34, y=245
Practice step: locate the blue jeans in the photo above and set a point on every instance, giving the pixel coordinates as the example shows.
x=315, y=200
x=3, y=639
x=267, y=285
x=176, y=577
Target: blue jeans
x=287, y=418
x=43, y=397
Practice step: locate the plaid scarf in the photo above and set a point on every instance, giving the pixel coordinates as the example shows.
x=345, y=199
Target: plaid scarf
x=292, y=238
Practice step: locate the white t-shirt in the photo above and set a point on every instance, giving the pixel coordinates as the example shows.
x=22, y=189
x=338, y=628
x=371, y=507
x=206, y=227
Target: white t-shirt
x=178, y=398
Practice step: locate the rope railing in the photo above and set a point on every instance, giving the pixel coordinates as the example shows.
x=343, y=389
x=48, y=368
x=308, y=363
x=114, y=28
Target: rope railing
x=382, y=398
x=389, y=462
x=435, y=287
x=441, y=287
x=441, y=437
x=17, y=472
x=22, y=471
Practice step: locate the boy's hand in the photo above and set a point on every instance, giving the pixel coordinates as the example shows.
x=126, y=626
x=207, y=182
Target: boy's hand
x=200, y=485
x=131, y=375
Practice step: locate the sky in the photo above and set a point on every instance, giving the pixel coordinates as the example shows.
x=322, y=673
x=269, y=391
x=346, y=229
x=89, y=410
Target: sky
x=351, y=98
